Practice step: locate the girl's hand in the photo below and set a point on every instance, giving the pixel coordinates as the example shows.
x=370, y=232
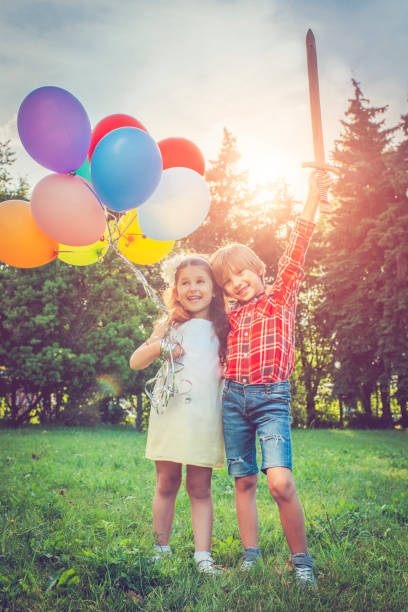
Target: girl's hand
x=150, y=349
x=159, y=329
x=178, y=351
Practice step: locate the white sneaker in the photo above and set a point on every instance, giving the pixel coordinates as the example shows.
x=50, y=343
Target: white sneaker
x=305, y=576
x=250, y=558
x=207, y=566
x=303, y=567
x=161, y=553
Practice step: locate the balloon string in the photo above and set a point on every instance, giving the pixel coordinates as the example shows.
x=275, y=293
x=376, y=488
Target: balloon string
x=128, y=225
x=150, y=292
x=103, y=208
x=120, y=233
x=90, y=189
x=164, y=382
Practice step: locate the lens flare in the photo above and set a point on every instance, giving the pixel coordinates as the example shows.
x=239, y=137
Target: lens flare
x=109, y=385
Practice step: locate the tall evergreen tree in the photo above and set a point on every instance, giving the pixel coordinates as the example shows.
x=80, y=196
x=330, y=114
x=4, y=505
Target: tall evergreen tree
x=354, y=264
x=391, y=233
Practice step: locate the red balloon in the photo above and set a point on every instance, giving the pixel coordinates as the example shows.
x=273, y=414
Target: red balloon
x=180, y=152
x=112, y=122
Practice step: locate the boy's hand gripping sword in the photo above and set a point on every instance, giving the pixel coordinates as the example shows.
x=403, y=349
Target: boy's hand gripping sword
x=318, y=145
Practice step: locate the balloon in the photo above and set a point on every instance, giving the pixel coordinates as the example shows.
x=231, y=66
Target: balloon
x=85, y=170
x=83, y=255
x=108, y=124
x=177, y=207
x=67, y=210
x=125, y=168
x=183, y=153
x=22, y=243
x=137, y=247
x=54, y=128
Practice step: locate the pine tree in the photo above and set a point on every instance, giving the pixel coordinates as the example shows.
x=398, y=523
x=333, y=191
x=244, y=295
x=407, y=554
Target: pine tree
x=391, y=233
x=354, y=262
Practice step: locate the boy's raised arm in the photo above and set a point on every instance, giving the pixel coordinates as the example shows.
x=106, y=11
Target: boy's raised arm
x=316, y=179
x=290, y=271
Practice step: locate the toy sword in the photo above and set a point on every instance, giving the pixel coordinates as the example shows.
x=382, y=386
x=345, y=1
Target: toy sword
x=318, y=145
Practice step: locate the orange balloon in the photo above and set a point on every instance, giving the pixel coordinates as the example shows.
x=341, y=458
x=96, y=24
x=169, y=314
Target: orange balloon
x=22, y=243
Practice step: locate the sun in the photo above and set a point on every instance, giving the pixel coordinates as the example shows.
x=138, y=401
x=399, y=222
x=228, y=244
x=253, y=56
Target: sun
x=271, y=169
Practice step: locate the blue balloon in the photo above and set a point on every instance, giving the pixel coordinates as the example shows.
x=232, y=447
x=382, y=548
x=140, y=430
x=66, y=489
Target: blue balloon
x=126, y=167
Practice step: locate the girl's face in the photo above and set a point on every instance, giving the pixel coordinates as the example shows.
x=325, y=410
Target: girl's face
x=195, y=291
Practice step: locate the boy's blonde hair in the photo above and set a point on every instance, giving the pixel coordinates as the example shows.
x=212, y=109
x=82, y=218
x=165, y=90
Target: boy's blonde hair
x=235, y=257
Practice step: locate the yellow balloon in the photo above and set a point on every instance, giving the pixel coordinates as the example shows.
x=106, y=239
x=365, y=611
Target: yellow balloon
x=83, y=255
x=136, y=246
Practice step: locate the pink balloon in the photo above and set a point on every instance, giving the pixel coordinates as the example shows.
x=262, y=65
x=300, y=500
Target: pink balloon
x=66, y=209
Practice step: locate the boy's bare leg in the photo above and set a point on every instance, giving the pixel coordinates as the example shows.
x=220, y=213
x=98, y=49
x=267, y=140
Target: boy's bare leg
x=168, y=480
x=282, y=488
x=247, y=512
x=198, y=485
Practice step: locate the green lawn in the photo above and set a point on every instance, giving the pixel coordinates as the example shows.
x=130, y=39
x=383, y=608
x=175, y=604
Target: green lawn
x=75, y=527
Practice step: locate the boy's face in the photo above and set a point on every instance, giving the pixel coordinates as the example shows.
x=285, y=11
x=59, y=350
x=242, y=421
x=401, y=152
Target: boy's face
x=243, y=285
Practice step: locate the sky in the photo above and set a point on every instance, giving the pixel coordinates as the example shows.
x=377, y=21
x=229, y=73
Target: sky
x=190, y=68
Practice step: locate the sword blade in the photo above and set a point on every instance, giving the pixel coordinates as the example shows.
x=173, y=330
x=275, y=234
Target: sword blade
x=318, y=145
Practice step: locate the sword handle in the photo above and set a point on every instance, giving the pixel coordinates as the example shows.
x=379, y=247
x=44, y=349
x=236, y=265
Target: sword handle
x=324, y=205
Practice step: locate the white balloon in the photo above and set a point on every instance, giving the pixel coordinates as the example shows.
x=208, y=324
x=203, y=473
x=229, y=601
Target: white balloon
x=177, y=207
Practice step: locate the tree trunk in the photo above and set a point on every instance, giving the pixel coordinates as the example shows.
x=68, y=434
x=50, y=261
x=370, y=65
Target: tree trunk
x=366, y=399
x=341, y=414
x=45, y=414
x=139, y=411
x=310, y=408
x=58, y=406
x=404, y=412
x=402, y=398
x=386, y=417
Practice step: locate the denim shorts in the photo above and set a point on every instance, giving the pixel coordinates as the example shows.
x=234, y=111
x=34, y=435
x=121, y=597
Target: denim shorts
x=250, y=409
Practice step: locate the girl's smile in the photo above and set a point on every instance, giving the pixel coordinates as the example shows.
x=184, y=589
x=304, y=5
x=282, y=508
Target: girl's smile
x=195, y=291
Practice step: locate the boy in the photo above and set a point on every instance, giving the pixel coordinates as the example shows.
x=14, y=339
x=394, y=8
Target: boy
x=256, y=394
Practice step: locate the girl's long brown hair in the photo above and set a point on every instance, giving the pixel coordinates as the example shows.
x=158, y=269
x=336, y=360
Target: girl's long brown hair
x=178, y=314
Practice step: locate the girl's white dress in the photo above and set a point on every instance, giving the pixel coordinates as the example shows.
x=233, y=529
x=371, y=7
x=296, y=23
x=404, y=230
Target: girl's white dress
x=190, y=429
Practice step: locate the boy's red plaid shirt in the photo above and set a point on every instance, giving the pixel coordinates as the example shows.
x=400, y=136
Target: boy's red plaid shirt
x=261, y=343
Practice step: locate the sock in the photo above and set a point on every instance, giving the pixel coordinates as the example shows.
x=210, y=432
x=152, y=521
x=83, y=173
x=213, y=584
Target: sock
x=302, y=560
x=252, y=553
x=201, y=555
x=162, y=549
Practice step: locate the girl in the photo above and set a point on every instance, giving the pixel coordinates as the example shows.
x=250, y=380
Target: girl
x=188, y=431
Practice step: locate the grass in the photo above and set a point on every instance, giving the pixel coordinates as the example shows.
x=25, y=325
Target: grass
x=75, y=527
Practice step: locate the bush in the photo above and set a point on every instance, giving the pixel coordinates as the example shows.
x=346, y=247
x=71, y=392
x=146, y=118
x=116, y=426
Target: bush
x=112, y=410
x=361, y=420
x=77, y=414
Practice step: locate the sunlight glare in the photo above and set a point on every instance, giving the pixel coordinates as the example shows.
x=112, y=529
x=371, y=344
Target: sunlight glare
x=267, y=170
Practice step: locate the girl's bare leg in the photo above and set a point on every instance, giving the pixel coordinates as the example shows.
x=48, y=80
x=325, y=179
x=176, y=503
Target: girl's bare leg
x=168, y=480
x=198, y=485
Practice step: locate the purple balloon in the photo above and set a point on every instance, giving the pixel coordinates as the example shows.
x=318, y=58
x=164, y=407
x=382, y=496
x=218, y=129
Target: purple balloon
x=54, y=129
